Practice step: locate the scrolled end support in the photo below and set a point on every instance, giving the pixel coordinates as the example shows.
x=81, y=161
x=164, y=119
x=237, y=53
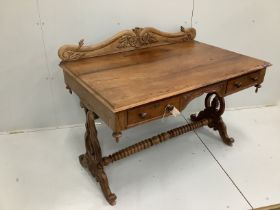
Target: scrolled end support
x=214, y=108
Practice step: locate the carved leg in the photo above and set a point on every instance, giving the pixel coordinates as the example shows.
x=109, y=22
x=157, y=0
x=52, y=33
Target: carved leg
x=92, y=159
x=213, y=110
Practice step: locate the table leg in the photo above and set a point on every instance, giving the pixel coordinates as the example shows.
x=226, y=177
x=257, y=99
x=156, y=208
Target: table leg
x=214, y=108
x=92, y=159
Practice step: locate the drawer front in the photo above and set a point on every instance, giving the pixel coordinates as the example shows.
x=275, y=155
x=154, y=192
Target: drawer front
x=150, y=111
x=218, y=88
x=244, y=81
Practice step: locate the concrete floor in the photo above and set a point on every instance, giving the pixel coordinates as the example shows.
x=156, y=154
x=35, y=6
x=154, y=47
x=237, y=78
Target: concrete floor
x=40, y=170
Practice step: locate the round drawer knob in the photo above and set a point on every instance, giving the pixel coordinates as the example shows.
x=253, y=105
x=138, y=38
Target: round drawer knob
x=237, y=84
x=257, y=87
x=143, y=115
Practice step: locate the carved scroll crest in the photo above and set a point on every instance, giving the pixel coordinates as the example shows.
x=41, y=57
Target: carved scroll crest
x=125, y=41
x=136, y=40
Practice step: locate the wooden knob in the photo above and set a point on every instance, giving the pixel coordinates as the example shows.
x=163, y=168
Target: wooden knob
x=237, y=84
x=143, y=115
x=257, y=87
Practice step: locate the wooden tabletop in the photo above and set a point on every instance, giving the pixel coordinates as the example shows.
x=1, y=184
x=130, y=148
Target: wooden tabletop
x=128, y=79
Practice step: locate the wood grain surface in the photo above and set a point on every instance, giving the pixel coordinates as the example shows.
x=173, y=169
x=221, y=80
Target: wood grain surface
x=129, y=79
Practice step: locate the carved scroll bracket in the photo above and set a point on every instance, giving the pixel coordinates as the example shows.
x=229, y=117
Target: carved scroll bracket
x=125, y=41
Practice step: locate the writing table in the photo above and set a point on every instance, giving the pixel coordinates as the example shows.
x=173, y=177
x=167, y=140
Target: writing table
x=144, y=74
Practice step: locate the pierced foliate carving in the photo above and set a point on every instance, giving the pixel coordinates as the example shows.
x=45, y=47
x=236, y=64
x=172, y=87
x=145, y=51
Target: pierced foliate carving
x=136, y=40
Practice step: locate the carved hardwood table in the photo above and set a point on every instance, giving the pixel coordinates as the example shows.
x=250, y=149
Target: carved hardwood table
x=142, y=74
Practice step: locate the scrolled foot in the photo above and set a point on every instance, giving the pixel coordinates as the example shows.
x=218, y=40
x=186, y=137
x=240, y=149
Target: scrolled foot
x=221, y=127
x=228, y=141
x=101, y=177
x=111, y=199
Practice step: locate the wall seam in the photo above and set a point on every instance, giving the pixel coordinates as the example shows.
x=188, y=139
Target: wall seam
x=192, y=13
x=50, y=75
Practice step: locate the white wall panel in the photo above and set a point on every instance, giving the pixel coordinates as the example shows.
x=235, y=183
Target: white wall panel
x=26, y=99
